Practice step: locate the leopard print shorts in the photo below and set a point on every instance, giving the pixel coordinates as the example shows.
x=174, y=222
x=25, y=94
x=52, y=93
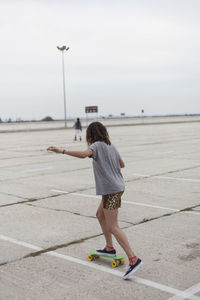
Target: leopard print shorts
x=112, y=201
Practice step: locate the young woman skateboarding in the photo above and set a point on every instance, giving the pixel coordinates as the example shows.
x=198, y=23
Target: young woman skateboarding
x=107, y=165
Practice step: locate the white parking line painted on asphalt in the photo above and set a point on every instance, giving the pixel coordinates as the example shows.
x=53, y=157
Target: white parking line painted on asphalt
x=127, y=202
x=36, y=170
x=141, y=175
x=192, y=290
x=76, y=194
x=87, y=196
x=176, y=178
x=164, y=152
x=146, y=282
x=59, y=191
x=149, y=205
x=20, y=243
x=192, y=212
x=166, y=177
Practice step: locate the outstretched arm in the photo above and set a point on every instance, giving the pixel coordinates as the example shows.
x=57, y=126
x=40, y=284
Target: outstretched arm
x=79, y=154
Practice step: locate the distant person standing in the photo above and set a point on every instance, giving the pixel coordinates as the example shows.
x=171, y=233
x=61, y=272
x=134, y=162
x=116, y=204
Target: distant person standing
x=78, y=129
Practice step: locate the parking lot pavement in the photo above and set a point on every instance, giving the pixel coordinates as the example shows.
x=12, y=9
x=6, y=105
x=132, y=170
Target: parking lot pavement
x=48, y=216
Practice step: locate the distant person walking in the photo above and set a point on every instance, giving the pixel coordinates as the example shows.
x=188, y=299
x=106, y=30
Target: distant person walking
x=78, y=129
x=107, y=164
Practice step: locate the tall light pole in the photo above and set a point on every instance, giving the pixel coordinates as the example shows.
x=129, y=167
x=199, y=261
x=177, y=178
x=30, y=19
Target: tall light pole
x=62, y=49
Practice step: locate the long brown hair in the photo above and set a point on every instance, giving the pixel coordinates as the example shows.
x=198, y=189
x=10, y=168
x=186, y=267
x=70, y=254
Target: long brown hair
x=96, y=131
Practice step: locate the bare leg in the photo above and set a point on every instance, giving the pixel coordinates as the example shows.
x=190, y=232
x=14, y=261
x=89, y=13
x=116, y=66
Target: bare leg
x=113, y=227
x=102, y=222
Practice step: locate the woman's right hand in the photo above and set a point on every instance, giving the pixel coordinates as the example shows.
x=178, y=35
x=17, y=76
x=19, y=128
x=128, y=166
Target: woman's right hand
x=54, y=149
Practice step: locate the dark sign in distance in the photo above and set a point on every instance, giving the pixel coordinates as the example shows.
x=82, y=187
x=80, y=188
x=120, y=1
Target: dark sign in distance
x=91, y=109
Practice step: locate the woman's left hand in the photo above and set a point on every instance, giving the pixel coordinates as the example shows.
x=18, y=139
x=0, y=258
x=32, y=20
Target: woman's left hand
x=54, y=149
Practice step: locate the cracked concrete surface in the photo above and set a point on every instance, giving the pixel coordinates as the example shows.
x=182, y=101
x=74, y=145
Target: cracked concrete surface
x=167, y=240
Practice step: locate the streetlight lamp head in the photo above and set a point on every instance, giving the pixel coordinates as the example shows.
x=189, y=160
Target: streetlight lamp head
x=63, y=48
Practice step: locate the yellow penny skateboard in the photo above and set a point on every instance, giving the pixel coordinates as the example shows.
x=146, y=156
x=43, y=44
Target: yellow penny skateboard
x=117, y=260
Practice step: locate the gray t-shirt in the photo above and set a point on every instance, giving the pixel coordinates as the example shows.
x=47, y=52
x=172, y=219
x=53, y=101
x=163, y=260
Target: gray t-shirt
x=107, y=170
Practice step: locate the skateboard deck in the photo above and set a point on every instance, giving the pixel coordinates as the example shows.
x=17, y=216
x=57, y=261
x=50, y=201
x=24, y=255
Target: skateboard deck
x=116, y=260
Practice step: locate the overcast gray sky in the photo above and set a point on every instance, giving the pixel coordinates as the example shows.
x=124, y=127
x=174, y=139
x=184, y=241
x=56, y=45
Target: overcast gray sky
x=124, y=56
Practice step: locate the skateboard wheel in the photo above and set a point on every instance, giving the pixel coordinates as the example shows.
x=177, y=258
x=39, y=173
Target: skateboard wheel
x=122, y=261
x=114, y=264
x=90, y=257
